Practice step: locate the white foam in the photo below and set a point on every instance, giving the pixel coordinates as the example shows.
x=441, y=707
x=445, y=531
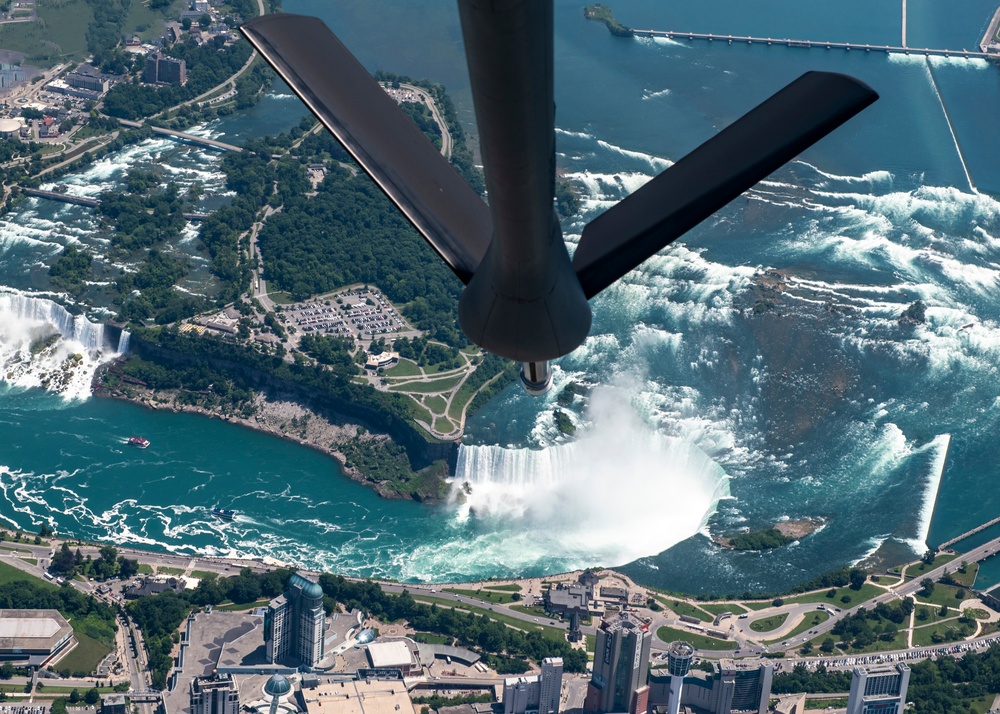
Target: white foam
x=66, y=366
x=590, y=501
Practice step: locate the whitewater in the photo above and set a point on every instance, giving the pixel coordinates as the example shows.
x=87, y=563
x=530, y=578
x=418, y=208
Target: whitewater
x=755, y=371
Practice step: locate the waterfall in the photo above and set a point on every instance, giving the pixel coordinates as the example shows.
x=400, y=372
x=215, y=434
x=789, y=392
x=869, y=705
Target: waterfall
x=123, y=340
x=43, y=345
x=621, y=492
x=939, y=444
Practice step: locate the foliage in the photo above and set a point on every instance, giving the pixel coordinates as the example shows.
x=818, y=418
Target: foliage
x=206, y=66
x=470, y=629
x=71, y=268
x=864, y=627
x=158, y=616
x=350, y=233
x=764, y=539
x=461, y=155
x=816, y=681
x=67, y=563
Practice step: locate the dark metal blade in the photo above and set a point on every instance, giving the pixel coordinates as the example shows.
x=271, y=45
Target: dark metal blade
x=714, y=174
x=380, y=137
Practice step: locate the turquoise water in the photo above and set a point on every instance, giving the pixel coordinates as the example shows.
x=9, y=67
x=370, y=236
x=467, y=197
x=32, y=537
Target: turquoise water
x=824, y=409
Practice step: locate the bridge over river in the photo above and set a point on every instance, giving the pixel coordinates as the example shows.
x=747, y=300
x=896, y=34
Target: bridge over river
x=92, y=202
x=814, y=44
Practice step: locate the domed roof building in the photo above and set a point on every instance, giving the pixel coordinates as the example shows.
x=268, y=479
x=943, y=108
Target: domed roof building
x=279, y=697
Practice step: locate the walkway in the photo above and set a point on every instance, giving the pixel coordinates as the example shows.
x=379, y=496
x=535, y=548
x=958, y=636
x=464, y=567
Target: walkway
x=813, y=44
x=91, y=202
x=965, y=535
x=183, y=136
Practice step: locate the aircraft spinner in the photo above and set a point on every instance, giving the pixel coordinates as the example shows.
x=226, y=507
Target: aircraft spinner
x=525, y=299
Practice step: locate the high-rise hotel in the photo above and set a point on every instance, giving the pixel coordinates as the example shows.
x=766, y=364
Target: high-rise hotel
x=295, y=624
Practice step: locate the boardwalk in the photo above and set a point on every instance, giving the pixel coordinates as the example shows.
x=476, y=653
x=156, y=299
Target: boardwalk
x=813, y=44
x=184, y=136
x=965, y=535
x=91, y=202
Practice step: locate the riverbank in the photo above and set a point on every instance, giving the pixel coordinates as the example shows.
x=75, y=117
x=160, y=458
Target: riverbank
x=286, y=417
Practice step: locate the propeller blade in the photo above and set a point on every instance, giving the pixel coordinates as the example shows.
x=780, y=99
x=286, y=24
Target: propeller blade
x=381, y=138
x=715, y=173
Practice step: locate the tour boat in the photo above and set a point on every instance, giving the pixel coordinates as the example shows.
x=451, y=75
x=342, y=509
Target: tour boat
x=138, y=441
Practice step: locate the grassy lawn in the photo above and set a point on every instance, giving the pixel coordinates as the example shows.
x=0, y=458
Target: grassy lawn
x=279, y=297
x=767, y=624
x=167, y=570
x=977, y=614
x=943, y=595
x=87, y=654
x=536, y=610
x=591, y=642
x=510, y=587
x=418, y=411
x=867, y=592
x=59, y=36
x=30, y=561
x=701, y=642
x=10, y=574
x=717, y=608
x=552, y=633
x=149, y=23
x=979, y=705
x=915, y=570
x=948, y=631
x=437, y=385
x=201, y=574
x=442, y=425
x=68, y=690
x=240, y=606
x=932, y=615
x=968, y=577
x=487, y=595
x=461, y=400
x=145, y=569
x=762, y=605
x=436, y=403
x=899, y=643
x=810, y=621
x=684, y=608
x=404, y=368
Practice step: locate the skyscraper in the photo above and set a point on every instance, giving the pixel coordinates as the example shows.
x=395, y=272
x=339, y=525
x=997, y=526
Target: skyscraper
x=621, y=665
x=678, y=664
x=537, y=693
x=216, y=694
x=878, y=690
x=550, y=685
x=295, y=623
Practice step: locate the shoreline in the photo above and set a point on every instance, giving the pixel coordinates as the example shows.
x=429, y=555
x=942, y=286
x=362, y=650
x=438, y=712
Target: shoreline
x=271, y=417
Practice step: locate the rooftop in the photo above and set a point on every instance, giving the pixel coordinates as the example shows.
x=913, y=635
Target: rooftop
x=359, y=697
x=390, y=654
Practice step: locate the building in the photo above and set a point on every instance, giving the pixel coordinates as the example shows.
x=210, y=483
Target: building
x=216, y=694
x=278, y=697
x=572, y=601
x=382, y=360
x=394, y=655
x=678, y=665
x=621, y=666
x=33, y=636
x=733, y=686
x=359, y=697
x=536, y=694
x=164, y=70
x=878, y=690
x=92, y=81
x=114, y=704
x=295, y=624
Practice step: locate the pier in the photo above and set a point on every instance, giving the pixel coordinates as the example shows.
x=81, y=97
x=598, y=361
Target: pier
x=965, y=535
x=991, y=40
x=814, y=44
x=90, y=202
x=183, y=136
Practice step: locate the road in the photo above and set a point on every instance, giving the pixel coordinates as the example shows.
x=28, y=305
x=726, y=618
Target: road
x=446, y=140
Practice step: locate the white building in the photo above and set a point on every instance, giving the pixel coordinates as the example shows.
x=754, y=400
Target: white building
x=217, y=694
x=878, y=689
x=535, y=694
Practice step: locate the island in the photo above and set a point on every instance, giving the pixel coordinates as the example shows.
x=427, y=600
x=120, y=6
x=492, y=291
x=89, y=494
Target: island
x=602, y=13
